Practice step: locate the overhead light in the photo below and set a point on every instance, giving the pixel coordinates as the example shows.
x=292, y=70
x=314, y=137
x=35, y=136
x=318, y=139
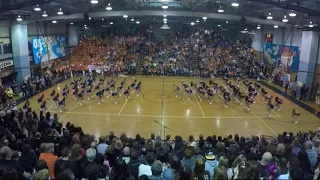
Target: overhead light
x=220, y=10
x=269, y=16
x=165, y=22
x=44, y=14
x=164, y=6
x=165, y=15
x=311, y=25
x=165, y=26
x=71, y=23
x=235, y=4
x=102, y=19
x=197, y=20
x=285, y=19
x=132, y=19
x=227, y=22
x=125, y=16
x=37, y=8
x=111, y=23
x=275, y=26
x=292, y=14
x=89, y=18
x=85, y=25
x=94, y=1
x=258, y=27
x=138, y=22
x=109, y=8
x=192, y=23
x=246, y=29
x=165, y=19
x=60, y=12
x=219, y=25
x=54, y=22
x=19, y=18
x=204, y=18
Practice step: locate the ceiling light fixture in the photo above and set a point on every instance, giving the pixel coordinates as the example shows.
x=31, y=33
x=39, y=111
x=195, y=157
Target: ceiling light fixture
x=219, y=25
x=227, y=22
x=132, y=19
x=269, y=15
x=220, y=10
x=138, y=22
x=125, y=16
x=89, y=18
x=71, y=23
x=192, y=23
x=44, y=14
x=275, y=26
x=235, y=4
x=109, y=8
x=197, y=21
x=258, y=27
x=102, y=19
x=19, y=18
x=37, y=8
x=164, y=6
x=60, y=12
x=292, y=14
x=111, y=23
x=165, y=19
x=285, y=19
x=165, y=22
x=85, y=25
x=311, y=25
x=94, y=1
x=54, y=22
x=165, y=15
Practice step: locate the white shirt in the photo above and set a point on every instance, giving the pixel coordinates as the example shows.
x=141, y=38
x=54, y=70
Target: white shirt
x=144, y=170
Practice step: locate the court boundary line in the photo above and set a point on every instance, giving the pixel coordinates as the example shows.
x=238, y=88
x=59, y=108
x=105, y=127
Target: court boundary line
x=122, y=108
x=199, y=105
x=68, y=112
x=264, y=123
x=179, y=117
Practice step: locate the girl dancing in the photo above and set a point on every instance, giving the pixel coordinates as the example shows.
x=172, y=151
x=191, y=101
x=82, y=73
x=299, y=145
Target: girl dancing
x=278, y=103
x=26, y=105
x=210, y=95
x=270, y=107
x=80, y=97
x=53, y=94
x=249, y=101
x=241, y=96
x=40, y=99
x=188, y=93
x=295, y=116
x=62, y=104
x=65, y=92
x=56, y=100
x=138, y=88
x=226, y=98
x=176, y=90
x=99, y=95
x=43, y=106
x=133, y=84
x=89, y=92
x=126, y=93
x=115, y=95
x=201, y=92
x=264, y=94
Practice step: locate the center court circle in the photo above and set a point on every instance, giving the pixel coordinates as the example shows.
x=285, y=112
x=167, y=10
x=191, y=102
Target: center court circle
x=159, y=96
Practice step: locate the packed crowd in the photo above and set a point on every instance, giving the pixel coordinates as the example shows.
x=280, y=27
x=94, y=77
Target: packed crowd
x=38, y=147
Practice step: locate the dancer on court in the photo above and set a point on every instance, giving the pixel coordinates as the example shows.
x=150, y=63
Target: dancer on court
x=176, y=90
x=43, y=106
x=89, y=92
x=188, y=93
x=26, y=105
x=295, y=116
x=55, y=100
x=40, y=99
x=53, y=94
x=65, y=92
x=126, y=93
x=249, y=102
x=115, y=95
x=270, y=107
x=138, y=88
x=80, y=97
x=226, y=98
x=99, y=95
x=278, y=103
x=62, y=104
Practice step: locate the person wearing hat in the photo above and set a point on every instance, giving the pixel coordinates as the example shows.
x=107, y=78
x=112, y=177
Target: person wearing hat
x=211, y=163
x=266, y=158
x=49, y=157
x=145, y=169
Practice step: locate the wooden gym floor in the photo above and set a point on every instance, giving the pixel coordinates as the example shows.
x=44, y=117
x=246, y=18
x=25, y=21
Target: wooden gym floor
x=158, y=103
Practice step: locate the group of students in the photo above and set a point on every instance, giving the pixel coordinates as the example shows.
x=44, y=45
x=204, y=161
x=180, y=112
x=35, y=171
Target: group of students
x=245, y=99
x=82, y=89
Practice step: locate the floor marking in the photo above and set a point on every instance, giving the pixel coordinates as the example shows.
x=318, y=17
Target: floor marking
x=155, y=116
x=68, y=111
x=199, y=105
x=264, y=123
x=122, y=107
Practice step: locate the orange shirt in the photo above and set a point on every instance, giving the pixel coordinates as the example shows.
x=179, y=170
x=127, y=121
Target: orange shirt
x=51, y=161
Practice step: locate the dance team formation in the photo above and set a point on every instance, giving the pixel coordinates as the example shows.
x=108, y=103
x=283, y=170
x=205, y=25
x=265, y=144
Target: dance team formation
x=243, y=91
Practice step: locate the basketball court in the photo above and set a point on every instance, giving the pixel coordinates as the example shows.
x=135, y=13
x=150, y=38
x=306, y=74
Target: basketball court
x=157, y=107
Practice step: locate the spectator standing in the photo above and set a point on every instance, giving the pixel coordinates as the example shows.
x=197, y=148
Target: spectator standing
x=49, y=157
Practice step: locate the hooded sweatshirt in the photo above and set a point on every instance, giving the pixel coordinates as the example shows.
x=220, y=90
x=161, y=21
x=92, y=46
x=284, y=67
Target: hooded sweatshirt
x=210, y=166
x=188, y=163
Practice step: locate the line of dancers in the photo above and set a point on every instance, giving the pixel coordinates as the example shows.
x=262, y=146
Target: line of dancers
x=82, y=89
